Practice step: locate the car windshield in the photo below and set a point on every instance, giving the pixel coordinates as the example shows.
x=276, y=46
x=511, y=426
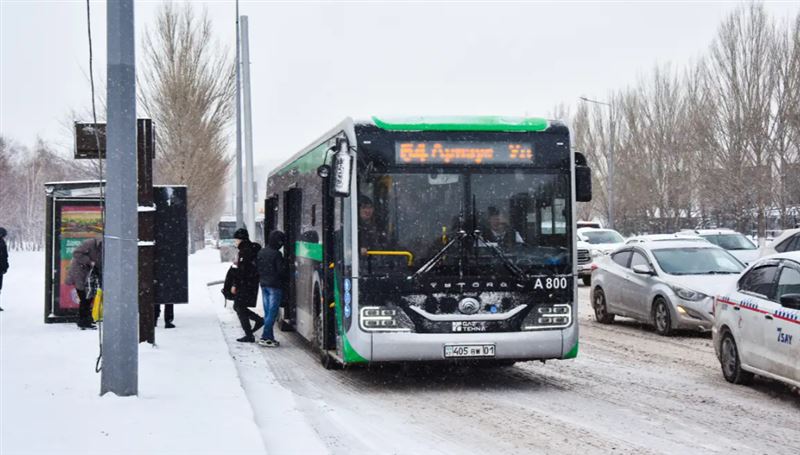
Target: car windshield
x=470, y=223
x=697, y=261
x=731, y=241
x=596, y=237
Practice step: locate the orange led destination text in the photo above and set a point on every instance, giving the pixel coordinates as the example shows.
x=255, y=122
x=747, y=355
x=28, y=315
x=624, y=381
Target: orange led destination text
x=438, y=153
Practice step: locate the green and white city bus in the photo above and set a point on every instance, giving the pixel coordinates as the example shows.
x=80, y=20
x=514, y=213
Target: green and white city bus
x=432, y=239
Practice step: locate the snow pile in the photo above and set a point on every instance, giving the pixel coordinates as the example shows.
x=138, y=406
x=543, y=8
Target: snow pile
x=190, y=397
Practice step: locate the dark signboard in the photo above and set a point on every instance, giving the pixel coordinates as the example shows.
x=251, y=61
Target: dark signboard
x=172, y=245
x=90, y=141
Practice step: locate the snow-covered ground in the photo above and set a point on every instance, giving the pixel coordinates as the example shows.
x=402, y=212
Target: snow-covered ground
x=629, y=391
x=190, y=397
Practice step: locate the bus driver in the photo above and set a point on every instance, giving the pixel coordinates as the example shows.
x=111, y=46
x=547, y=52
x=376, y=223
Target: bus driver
x=499, y=231
x=370, y=236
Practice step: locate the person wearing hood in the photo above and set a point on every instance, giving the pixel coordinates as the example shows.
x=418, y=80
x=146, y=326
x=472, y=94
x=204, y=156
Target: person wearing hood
x=245, y=285
x=3, y=257
x=87, y=257
x=272, y=275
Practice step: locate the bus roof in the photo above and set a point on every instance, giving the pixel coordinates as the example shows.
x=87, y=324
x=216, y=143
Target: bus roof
x=461, y=123
x=492, y=123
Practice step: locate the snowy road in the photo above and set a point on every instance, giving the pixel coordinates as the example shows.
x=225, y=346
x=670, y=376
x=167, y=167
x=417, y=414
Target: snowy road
x=629, y=390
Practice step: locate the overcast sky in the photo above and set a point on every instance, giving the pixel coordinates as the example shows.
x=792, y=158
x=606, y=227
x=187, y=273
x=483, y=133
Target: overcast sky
x=315, y=63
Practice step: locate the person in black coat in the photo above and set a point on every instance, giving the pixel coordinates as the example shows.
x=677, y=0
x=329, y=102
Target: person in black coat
x=245, y=285
x=273, y=275
x=3, y=257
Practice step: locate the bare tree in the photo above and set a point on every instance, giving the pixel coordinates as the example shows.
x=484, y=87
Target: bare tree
x=22, y=204
x=741, y=81
x=187, y=88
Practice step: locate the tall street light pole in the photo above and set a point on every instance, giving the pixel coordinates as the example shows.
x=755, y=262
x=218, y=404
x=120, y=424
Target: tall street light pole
x=239, y=213
x=609, y=159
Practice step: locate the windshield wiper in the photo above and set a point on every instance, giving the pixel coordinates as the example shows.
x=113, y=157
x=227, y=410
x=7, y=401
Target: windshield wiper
x=426, y=267
x=499, y=253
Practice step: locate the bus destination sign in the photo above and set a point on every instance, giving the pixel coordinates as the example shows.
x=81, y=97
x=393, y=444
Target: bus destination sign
x=442, y=152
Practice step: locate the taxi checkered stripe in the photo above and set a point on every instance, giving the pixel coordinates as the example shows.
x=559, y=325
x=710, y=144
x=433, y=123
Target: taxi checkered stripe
x=788, y=315
x=748, y=304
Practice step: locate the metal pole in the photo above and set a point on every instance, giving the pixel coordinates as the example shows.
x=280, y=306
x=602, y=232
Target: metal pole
x=120, y=271
x=249, y=208
x=610, y=168
x=239, y=215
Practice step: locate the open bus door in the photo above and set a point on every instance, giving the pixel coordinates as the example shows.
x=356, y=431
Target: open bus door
x=330, y=226
x=292, y=207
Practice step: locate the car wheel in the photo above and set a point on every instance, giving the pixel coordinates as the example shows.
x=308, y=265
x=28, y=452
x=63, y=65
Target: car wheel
x=731, y=365
x=662, y=318
x=587, y=280
x=601, y=313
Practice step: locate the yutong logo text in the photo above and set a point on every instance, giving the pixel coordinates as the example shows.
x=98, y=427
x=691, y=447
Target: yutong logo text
x=462, y=285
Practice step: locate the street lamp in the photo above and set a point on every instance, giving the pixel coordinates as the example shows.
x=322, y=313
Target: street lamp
x=609, y=159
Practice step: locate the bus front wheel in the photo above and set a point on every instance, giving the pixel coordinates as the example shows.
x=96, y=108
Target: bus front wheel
x=325, y=358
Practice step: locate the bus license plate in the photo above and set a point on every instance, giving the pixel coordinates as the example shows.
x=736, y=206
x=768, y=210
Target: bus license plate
x=469, y=350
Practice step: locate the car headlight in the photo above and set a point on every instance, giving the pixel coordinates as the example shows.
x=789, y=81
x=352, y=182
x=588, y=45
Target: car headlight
x=688, y=294
x=596, y=253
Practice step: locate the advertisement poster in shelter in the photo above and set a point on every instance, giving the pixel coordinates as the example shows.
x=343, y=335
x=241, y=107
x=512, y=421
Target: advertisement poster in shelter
x=76, y=221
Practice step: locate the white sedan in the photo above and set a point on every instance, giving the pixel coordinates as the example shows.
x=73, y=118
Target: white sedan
x=757, y=323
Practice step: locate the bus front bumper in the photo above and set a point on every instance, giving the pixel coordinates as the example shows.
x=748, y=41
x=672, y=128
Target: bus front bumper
x=526, y=345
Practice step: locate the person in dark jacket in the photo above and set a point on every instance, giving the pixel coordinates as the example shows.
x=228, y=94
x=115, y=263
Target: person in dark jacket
x=272, y=275
x=87, y=256
x=245, y=287
x=3, y=257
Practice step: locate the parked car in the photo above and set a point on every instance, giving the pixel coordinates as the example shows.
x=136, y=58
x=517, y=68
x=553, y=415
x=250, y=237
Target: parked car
x=592, y=244
x=589, y=224
x=737, y=244
x=670, y=284
x=757, y=322
x=664, y=237
x=788, y=241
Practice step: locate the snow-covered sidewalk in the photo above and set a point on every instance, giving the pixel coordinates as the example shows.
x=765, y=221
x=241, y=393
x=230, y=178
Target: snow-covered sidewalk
x=190, y=396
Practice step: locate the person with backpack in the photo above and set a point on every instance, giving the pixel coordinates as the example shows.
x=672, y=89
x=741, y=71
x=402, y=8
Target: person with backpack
x=87, y=261
x=272, y=275
x=245, y=285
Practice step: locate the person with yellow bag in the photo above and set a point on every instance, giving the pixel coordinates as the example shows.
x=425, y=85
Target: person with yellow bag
x=85, y=274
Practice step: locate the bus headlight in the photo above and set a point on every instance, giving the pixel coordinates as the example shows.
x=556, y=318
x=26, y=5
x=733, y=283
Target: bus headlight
x=549, y=316
x=384, y=319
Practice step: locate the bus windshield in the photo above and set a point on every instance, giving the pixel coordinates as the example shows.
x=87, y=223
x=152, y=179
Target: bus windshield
x=450, y=222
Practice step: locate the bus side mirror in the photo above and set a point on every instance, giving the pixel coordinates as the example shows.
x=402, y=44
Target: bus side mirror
x=342, y=169
x=583, y=179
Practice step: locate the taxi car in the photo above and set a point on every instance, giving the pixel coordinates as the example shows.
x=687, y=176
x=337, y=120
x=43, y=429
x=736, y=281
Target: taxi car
x=757, y=323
